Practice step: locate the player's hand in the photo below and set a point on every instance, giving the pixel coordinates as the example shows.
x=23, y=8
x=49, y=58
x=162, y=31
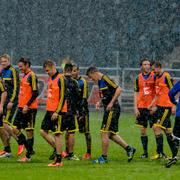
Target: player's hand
x=173, y=110
x=54, y=116
x=25, y=109
x=136, y=112
x=98, y=105
x=1, y=109
x=109, y=106
x=9, y=106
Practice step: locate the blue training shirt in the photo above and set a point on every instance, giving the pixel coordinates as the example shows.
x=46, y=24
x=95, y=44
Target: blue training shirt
x=172, y=94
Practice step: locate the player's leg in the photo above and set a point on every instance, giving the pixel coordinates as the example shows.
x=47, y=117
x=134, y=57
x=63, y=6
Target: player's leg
x=176, y=139
x=6, y=132
x=5, y=139
x=168, y=131
x=120, y=141
x=65, y=153
x=112, y=124
x=88, y=137
x=8, y=115
x=88, y=146
x=57, y=131
x=17, y=126
x=158, y=134
x=142, y=122
x=107, y=117
x=144, y=142
x=45, y=127
x=83, y=122
x=9, y=129
x=30, y=130
x=71, y=141
x=71, y=124
x=58, y=158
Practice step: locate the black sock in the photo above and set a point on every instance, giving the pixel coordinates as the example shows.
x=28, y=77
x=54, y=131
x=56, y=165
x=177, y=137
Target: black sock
x=30, y=143
x=104, y=156
x=128, y=148
x=22, y=139
x=176, y=146
x=88, y=142
x=89, y=151
x=159, y=143
x=67, y=150
x=71, y=154
x=144, y=141
x=172, y=144
x=7, y=149
x=58, y=158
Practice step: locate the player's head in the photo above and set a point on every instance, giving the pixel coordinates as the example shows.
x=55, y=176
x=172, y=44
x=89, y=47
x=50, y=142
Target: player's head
x=49, y=67
x=93, y=73
x=145, y=65
x=157, y=68
x=24, y=64
x=75, y=71
x=68, y=68
x=65, y=61
x=5, y=60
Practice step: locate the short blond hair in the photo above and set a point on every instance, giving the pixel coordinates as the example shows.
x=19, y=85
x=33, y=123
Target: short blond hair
x=49, y=63
x=6, y=56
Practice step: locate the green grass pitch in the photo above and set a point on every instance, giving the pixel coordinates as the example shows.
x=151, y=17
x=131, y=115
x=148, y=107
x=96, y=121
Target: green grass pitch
x=117, y=168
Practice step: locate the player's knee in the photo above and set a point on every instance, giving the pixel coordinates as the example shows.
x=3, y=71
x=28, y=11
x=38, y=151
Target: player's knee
x=143, y=131
x=30, y=133
x=157, y=130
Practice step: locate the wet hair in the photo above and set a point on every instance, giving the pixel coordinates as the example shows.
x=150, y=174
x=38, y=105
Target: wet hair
x=152, y=63
x=75, y=65
x=6, y=56
x=48, y=63
x=142, y=60
x=25, y=61
x=157, y=64
x=91, y=70
x=68, y=68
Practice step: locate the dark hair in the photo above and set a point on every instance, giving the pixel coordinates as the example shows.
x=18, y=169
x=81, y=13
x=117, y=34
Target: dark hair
x=25, y=61
x=75, y=65
x=48, y=63
x=68, y=68
x=142, y=60
x=157, y=64
x=91, y=70
x=152, y=63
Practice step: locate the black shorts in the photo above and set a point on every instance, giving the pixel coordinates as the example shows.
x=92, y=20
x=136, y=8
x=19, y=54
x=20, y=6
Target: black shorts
x=162, y=117
x=111, y=120
x=144, y=117
x=83, y=123
x=176, y=129
x=25, y=121
x=8, y=114
x=64, y=122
